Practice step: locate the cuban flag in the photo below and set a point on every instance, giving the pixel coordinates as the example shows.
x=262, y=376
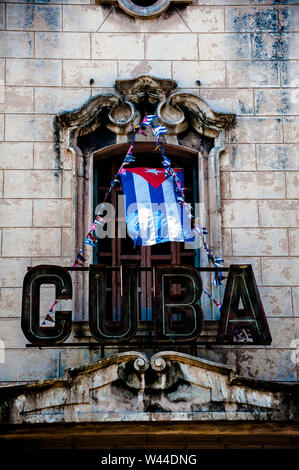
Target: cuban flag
x=153, y=212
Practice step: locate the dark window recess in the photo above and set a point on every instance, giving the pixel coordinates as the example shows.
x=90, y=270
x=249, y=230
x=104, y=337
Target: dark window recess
x=144, y=3
x=118, y=251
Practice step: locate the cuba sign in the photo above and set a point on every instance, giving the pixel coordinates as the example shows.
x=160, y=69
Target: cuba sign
x=176, y=317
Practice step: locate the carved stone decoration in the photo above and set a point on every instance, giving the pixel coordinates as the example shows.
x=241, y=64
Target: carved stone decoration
x=130, y=387
x=144, y=8
x=122, y=110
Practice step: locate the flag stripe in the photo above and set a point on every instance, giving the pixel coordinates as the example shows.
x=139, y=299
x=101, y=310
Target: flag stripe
x=153, y=213
x=173, y=216
x=145, y=214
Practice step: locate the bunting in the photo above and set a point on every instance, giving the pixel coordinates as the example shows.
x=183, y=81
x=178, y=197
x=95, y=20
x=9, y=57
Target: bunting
x=197, y=230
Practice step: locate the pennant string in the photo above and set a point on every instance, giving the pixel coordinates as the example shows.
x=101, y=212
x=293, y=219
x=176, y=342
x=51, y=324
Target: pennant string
x=198, y=231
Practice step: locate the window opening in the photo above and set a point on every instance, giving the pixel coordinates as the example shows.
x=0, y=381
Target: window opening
x=117, y=251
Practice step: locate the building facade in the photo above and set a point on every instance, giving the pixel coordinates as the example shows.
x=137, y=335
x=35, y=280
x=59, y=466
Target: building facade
x=76, y=76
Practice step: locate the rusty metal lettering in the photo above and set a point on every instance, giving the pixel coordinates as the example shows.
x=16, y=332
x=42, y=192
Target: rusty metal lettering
x=102, y=326
x=30, y=323
x=241, y=286
x=177, y=314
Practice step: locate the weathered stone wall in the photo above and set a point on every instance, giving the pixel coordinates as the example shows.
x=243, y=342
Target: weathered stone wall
x=246, y=58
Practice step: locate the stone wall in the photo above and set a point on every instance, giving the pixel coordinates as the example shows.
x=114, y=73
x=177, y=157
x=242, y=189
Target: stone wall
x=246, y=58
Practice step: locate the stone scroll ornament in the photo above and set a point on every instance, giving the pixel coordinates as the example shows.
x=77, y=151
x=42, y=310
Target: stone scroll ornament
x=198, y=230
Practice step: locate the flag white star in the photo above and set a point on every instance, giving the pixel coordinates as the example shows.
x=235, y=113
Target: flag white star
x=153, y=170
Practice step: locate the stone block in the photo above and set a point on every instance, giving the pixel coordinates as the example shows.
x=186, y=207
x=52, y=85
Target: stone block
x=1, y=127
x=2, y=98
x=2, y=72
x=238, y=158
x=229, y=101
x=120, y=22
x=132, y=69
x=79, y=72
x=273, y=102
x=125, y=46
x=68, y=243
x=240, y=213
x=18, y=100
x=15, y=213
x=67, y=184
x=34, y=17
x=2, y=16
x=255, y=263
x=204, y=19
x=295, y=295
x=62, y=45
x=28, y=127
x=83, y=18
x=240, y=19
x=290, y=73
x=53, y=260
x=252, y=74
x=253, y=363
x=291, y=129
x=289, y=17
x=16, y=155
x=257, y=185
x=211, y=74
x=279, y=213
x=171, y=47
x=56, y=100
x=283, y=331
x=45, y=157
x=12, y=271
x=294, y=242
x=225, y=185
x=222, y=355
x=277, y=156
x=10, y=302
x=227, y=247
x=11, y=334
x=277, y=301
x=30, y=365
x=268, y=46
x=62, y=2
x=52, y=213
x=292, y=183
x=16, y=44
x=33, y=72
x=257, y=129
x=281, y=367
x=224, y=46
x=267, y=364
x=31, y=242
x=280, y=271
x=74, y=357
x=1, y=183
x=32, y=184
x=259, y=242
x=223, y=2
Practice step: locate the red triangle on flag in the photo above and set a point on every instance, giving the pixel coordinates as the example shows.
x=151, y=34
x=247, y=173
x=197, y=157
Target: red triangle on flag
x=154, y=176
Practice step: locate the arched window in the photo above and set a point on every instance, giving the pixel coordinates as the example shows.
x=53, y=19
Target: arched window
x=98, y=134
x=117, y=251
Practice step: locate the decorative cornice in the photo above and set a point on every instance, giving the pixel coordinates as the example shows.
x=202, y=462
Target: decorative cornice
x=121, y=110
x=133, y=387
